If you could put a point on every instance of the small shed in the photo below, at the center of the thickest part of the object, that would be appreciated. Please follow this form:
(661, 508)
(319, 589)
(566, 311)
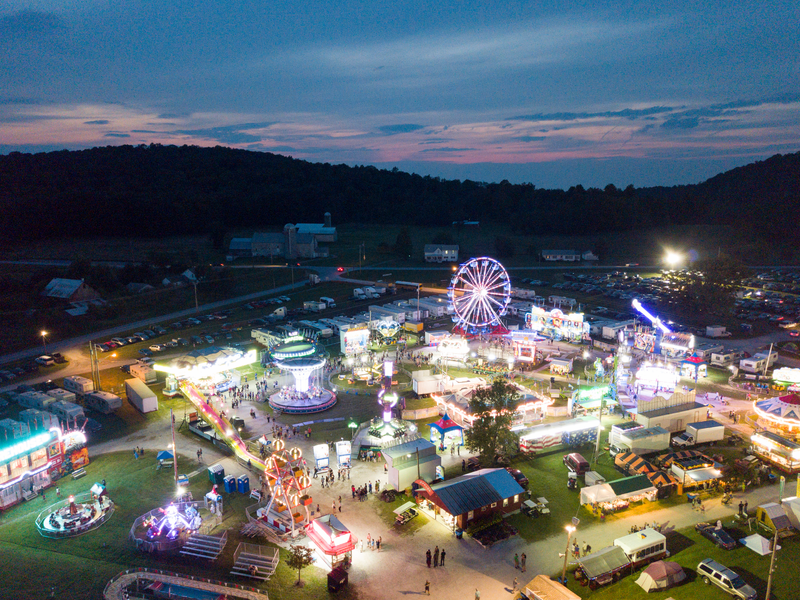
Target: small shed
(772, 516)
(444, 430)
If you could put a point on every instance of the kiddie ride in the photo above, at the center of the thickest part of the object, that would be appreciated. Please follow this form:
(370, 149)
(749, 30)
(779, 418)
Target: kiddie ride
(76, 515)
(166, 528)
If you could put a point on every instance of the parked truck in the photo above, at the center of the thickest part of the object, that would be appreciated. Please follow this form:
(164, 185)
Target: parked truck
(329, 302)
(141, 396)
(358, 294)
(371, 292)
(704, 432)
(313, 305)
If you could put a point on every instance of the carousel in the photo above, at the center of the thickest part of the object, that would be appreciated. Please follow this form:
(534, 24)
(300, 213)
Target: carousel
(300, 357)
(76, 515)
(779, 414)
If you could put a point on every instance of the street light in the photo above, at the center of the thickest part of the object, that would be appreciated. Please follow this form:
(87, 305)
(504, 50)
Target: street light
(353, 425)
(44, 340)
(95, 363)
(673, 258)
(570, 530)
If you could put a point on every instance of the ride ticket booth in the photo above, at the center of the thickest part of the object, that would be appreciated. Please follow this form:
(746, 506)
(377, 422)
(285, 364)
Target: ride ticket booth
(321, 457)
(332, 541)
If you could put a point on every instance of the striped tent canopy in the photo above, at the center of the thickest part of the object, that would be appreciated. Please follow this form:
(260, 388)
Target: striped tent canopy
(633, 463)
(666, 460)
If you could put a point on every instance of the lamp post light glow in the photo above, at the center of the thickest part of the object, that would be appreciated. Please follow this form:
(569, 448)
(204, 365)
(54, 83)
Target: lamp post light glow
(672, 258)
(44, 340)
(570, 529)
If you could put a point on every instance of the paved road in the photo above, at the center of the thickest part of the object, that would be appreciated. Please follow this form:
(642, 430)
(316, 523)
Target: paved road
(144, 323)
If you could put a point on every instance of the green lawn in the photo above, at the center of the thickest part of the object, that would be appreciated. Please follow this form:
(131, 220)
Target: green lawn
(79, 568)
(689, 548)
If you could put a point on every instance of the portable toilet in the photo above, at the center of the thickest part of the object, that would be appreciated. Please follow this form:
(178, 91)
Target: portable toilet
(230, 484)
(216, 474)
(243, 484)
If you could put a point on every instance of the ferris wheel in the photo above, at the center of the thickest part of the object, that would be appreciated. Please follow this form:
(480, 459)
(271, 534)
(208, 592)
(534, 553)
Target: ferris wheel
(479, 293)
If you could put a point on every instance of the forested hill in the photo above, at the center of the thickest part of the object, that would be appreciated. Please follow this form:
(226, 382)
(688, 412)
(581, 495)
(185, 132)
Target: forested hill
(149, 190)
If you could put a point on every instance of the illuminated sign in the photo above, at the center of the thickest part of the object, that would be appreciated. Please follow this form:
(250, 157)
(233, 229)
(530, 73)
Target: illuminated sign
(786, 375)
(26, 446)
(555, 323)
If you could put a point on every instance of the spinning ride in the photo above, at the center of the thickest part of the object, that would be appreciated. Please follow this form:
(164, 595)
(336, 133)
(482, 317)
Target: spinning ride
(300, 356)
(76, 515)
(479, 293)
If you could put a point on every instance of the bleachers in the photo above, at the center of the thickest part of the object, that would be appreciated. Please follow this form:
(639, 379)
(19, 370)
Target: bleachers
(263, 558)
(205, 546)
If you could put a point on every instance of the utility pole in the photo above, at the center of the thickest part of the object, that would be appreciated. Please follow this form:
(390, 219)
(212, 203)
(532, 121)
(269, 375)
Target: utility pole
(772, 564)
(196, 306)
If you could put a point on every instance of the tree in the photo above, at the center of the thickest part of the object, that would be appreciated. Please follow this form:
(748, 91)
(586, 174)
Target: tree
(504, 246)
(491, 432)
(299, 558)
(403, 245)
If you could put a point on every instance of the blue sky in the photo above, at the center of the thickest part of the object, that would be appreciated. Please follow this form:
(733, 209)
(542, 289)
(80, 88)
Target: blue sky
(551, 93)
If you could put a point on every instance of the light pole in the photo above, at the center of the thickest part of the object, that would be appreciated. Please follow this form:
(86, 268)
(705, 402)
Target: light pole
(772, 564)
(44, 340)
(570, 529)
(96, 365)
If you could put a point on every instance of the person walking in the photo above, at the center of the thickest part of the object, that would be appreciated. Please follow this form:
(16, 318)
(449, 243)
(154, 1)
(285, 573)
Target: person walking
(427, 587)
(441, 558)
(576, 551)
(58, 492)
(378, 543)
(745, 508)
(428, 557)
(369, 541)
(515, 586)
(436, 557)
(522, 560)
(585, 548)
(477, 594)
(333, 507)
(516, 561)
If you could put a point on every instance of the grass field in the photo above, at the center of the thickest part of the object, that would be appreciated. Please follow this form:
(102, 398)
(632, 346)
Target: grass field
(79, 568)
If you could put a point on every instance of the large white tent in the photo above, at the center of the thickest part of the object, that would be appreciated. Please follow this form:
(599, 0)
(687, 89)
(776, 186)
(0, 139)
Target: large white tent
(601, 492)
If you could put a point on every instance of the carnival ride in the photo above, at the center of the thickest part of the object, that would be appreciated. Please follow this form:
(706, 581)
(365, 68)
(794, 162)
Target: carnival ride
(76, 515)
(280, 468)
(300, 356)
(479, 292)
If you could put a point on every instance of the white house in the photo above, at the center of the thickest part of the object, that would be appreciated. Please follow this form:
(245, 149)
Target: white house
(441, 253)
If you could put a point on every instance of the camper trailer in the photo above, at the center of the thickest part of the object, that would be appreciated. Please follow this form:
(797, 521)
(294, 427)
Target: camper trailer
(67, 412)
(39, 420)
(78, 385)
(36, 400)
(643, 547)
(62, 395)
(143, 372)
(103, 402)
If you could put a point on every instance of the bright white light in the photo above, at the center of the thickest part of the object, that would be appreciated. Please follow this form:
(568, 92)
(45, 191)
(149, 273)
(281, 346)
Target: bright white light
(673, 258)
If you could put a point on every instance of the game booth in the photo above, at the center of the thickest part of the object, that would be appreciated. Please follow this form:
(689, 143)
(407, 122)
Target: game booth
(332, 541)
(652, 380)
(572, 432)
(445, 432)
(694, 367)
(557, 325)
(343, 454)
(524, 345)
(321, 457)
(777, 450)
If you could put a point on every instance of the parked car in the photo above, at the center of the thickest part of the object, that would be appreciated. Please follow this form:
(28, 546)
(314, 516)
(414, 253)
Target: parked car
(710, 571)
(720, 537)
(145, 352)
(156, 347)
(519, 476)
(576, 463)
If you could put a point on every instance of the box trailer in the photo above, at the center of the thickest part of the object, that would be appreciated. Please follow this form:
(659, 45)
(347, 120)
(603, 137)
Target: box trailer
(103, 402)
(313, 305)
(78, 385)
(704, 432)
(141, 396)
(329, 302)
(145, 373)
(412, 326)
(645, 441)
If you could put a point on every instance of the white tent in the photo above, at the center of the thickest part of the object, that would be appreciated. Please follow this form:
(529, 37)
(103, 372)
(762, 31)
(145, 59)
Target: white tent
(758, 544)
(597, 493)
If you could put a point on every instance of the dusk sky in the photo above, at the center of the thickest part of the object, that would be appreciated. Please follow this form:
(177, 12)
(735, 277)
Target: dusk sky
(551, 93)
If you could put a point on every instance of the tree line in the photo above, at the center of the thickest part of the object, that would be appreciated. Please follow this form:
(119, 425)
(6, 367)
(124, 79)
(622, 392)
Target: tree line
(140, 191)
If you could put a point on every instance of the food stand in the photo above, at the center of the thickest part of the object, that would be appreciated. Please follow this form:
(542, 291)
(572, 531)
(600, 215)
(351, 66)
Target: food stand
(777, 450)
(445, 431)
(332, 541)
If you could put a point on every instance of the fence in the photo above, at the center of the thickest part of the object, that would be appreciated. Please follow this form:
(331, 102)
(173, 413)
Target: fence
(142, 572)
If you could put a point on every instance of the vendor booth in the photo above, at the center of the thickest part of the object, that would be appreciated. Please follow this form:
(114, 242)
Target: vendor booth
(445, 432)
(332, 541)
(524, 345)
(777, 450)
(602, 567)
(592, 399)
(697, 471)
(694, 367)
(653, 380)
(560, 366)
